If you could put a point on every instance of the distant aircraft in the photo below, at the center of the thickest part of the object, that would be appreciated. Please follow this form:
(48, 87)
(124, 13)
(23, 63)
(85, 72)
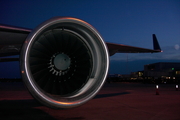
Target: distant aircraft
(64, 61)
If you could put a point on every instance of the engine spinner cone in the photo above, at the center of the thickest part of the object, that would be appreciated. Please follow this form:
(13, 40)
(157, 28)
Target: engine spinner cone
(62, 61)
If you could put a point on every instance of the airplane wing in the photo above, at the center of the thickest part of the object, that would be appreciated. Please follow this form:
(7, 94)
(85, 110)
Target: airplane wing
(12, 38)
(120, 48)
(8, 59)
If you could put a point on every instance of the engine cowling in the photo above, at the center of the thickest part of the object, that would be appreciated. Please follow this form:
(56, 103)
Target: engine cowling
(64, 62)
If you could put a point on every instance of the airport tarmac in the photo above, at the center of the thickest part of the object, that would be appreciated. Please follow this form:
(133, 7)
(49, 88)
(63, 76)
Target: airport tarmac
(115, 101)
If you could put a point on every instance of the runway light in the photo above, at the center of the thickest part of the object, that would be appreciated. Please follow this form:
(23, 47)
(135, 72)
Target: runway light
(157, 91)
(177, 87)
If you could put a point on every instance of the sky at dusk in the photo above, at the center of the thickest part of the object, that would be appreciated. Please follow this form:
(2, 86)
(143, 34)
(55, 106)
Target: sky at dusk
(129, 22)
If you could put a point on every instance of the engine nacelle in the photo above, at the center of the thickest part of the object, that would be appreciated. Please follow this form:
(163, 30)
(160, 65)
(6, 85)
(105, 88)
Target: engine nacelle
(64, 62)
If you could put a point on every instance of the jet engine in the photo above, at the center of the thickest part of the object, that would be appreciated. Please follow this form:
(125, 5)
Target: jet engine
(64, 62)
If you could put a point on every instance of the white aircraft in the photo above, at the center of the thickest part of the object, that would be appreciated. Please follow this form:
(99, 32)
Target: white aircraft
(64, 61)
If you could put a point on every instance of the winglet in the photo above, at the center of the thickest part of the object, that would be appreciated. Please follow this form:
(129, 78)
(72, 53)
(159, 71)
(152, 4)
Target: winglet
(155, 43)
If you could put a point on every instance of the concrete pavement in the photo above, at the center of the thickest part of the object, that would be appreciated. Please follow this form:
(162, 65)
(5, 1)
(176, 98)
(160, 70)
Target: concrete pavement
(115, 101)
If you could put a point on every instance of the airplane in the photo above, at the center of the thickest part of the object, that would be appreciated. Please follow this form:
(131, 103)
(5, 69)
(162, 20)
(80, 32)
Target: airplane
(64, 61)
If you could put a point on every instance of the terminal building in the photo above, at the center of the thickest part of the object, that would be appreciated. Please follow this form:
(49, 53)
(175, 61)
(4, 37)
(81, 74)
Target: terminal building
(164, 71)
(161, 72)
